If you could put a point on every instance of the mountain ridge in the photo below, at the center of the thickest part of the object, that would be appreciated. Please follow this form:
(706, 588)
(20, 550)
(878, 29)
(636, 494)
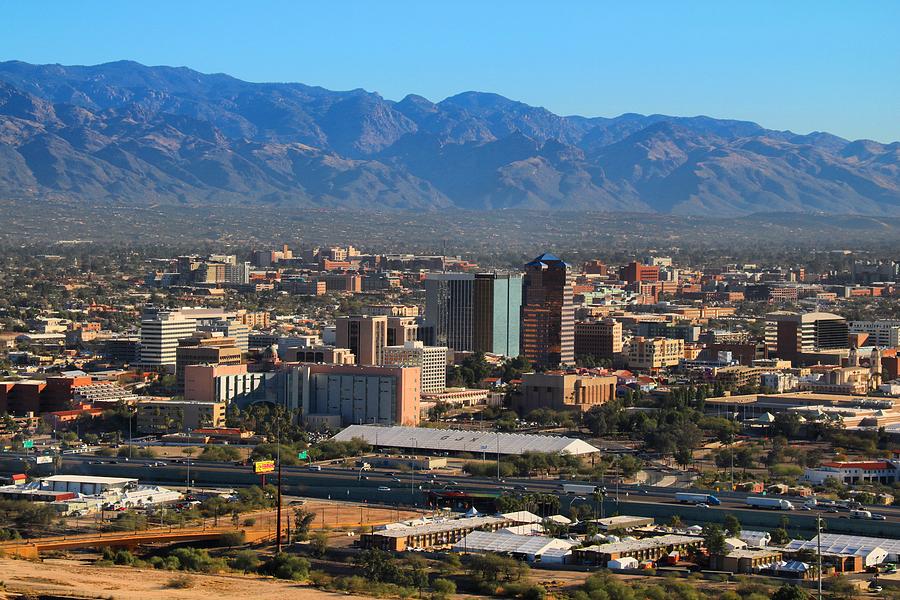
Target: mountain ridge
(130, 132)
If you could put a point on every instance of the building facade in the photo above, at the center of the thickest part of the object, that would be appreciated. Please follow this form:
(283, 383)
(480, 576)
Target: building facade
(652, 354)
(339, 395)
(564, 391)
(432, 360)
(548, 313)
(600, 339)
(788, 335)
(365, 336)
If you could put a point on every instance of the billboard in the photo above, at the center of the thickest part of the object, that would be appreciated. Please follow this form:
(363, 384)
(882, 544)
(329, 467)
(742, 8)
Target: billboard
(263, 466)
(43, 460)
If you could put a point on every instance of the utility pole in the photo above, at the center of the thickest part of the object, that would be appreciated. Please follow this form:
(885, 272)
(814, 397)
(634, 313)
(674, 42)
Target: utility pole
(498, 455)
(819, 551)
(278, 496)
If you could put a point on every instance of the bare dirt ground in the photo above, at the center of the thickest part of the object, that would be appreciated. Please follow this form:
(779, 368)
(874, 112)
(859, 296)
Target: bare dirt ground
(79, 579)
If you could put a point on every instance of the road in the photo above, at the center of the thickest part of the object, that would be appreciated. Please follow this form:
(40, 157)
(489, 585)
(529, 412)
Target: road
(411, 489)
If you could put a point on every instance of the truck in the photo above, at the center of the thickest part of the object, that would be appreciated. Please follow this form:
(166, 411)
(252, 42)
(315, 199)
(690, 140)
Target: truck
(689, 498)
(770, 503)
(579, 488)
(860, 514)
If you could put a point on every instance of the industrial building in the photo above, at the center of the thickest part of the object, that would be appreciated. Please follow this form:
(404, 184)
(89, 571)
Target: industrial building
(872, 551)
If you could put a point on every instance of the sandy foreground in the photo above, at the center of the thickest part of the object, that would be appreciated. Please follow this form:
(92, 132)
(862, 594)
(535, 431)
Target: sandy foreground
(83, 580)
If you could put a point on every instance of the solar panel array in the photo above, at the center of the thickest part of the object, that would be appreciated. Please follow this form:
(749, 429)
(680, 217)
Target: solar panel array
(457, 440)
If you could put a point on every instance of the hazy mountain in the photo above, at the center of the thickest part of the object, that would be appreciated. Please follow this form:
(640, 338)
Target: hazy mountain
(126, 132)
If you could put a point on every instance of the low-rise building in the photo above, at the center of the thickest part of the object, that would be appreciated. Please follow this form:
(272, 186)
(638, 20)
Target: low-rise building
(653, 354)
(164, 415)
(878, 471)
(564, 391)
(651, 548)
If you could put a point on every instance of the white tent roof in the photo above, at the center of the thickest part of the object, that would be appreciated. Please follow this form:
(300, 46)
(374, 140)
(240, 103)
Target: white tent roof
(857, 545)
(502, 542)
(455, 440)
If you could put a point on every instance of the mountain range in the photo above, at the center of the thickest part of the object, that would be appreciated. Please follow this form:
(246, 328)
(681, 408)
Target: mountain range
(127, 133)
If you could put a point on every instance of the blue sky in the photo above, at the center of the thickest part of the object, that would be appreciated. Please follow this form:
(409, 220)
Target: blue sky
(802, 65)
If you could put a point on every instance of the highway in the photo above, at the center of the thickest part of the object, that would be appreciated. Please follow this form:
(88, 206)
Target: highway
(382, 487)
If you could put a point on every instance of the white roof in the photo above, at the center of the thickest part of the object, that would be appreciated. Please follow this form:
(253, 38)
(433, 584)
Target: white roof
(503, 542)
(456, 440)
(855, 545)
(643, 544)
(522, 516)
(439, 526)
(89, 479)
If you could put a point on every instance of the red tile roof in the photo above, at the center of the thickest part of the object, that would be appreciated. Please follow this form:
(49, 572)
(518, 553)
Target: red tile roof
(866, 466)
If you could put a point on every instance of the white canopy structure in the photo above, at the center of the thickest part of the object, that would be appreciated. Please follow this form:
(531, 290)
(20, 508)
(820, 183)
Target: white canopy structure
(457, 440)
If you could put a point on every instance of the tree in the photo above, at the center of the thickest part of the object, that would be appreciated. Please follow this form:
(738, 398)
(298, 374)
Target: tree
(319, 543)
(790, 592)
(714, 539)
(841, 587)
(732, 525)
(302, 521)
(443, 588)
(246, 561)
(780, 536)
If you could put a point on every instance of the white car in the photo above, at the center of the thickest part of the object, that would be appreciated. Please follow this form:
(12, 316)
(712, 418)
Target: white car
(383, 488)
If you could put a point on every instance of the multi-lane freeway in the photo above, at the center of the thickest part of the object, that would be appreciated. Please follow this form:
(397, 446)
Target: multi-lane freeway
(411, 488)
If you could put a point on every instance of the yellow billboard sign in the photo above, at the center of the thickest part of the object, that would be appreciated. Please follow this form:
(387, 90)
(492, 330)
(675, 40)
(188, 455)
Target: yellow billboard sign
(263, 466)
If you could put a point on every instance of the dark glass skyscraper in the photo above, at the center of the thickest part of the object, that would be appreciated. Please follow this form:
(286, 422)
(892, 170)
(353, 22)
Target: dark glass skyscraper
(548, 313)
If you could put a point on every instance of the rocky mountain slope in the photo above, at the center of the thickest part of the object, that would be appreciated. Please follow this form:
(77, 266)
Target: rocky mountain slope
(126, 132)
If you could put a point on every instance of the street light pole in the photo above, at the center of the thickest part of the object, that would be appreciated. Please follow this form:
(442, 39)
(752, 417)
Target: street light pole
(498, 455)
(819, 552)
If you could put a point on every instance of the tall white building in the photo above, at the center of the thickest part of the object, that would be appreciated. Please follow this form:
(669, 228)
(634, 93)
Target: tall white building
(885, 334)
(161, 329)
(432, 360)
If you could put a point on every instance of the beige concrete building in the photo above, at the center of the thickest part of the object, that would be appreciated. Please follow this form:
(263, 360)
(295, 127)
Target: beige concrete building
(166, 416)
(564, 391)
(365, 336)
(651, 354)
(600, 339)
(205, 349)
(432, 360)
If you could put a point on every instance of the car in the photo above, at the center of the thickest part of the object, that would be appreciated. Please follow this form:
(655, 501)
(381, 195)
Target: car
(833, 509)
(396, 479)
(96, 462)
(521, 487)
(877, 517)
(702, 505)
(383, 488)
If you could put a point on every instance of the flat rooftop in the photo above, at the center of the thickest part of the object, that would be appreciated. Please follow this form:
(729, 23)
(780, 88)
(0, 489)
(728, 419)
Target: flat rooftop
(439, 526)
(642, 544)
(89, 479)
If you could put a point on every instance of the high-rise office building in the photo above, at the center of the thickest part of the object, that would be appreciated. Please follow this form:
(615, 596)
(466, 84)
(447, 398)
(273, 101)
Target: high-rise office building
(432, 360)
(449, 309)
(401, 330)
(498, 301)
(469, 312)
(365, 336)
(548, 312)
(790, 334)
(160, 332)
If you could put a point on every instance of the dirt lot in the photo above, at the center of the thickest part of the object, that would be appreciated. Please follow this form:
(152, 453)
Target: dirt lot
(82, 580)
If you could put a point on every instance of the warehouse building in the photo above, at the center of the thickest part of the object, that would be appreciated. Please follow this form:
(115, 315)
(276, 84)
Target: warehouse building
(453, 440)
